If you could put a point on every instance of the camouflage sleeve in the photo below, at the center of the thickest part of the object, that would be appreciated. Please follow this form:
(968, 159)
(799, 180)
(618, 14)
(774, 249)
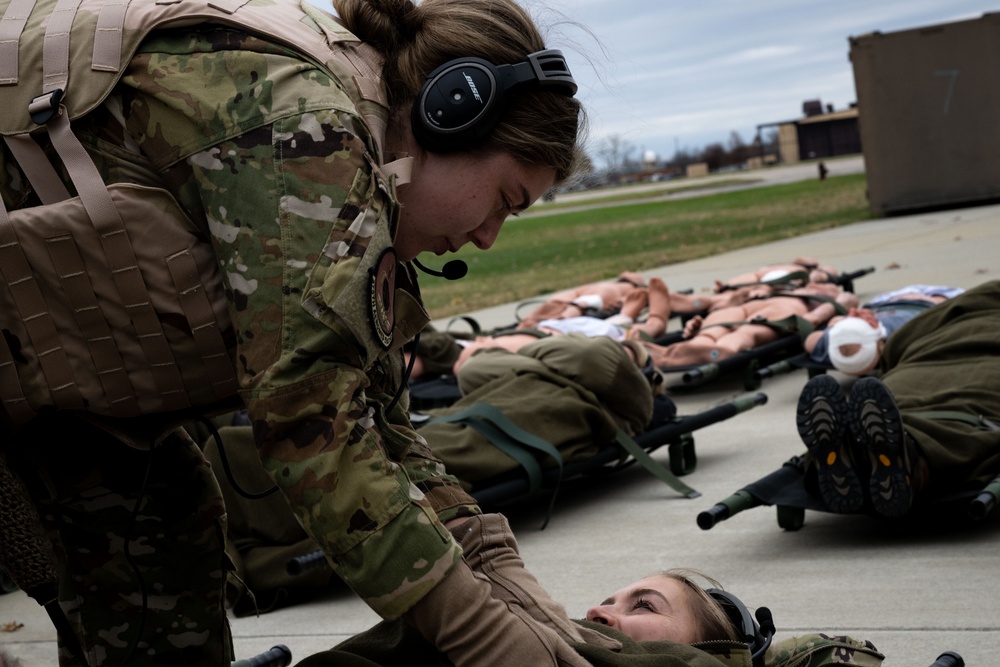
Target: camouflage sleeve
(292, 205)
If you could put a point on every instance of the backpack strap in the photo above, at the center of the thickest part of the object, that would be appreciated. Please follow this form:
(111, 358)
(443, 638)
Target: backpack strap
(37, 168)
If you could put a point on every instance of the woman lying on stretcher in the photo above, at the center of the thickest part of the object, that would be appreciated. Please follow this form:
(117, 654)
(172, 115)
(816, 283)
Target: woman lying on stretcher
(664, 618)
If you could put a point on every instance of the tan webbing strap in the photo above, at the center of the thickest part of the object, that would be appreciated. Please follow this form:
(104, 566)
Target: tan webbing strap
(201, 318)
(401, 169)
(378, 127)
(228, 6)
(36, 166)
(121, 259)
(369, 89)
(368, 63)
(55, 52)
(108, 37)
(37, 321)
(11, 26)
(93, 325)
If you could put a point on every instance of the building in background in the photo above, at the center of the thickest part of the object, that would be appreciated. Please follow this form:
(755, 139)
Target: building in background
(820, 133)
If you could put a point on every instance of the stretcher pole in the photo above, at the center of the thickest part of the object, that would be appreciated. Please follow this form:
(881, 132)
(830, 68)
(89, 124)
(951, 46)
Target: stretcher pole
(984, 503)
(276, 656)
(746, 498)
(711, 416)
(949, 659)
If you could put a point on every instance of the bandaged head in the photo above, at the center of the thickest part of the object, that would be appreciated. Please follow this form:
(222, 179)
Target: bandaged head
(850, 332)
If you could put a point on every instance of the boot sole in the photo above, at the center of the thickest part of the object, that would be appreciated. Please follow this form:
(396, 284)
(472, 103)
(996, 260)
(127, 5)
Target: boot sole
(822, 419)
(876, 421)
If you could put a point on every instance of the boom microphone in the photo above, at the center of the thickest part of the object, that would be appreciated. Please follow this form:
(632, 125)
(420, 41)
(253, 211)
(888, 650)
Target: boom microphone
(452, 270)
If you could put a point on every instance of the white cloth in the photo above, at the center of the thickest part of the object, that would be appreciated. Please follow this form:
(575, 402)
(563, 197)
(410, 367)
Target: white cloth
(588, 326)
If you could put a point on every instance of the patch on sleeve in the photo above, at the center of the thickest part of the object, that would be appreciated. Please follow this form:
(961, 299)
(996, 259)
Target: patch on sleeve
(381, 291)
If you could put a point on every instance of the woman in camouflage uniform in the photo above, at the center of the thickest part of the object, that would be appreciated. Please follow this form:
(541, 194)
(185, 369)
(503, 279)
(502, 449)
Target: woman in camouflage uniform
(284, 167)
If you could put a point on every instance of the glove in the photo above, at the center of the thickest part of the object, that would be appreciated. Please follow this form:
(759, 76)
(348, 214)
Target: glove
(472, 628)
(490, 549)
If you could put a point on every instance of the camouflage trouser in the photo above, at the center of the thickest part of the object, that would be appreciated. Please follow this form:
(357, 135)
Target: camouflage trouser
(85, 485)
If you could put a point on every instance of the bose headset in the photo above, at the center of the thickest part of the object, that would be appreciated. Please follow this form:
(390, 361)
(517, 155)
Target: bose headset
(757, 635)
(462, 100)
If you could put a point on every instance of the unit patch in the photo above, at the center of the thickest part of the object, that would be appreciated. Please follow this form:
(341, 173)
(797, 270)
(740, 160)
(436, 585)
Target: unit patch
(381, 292)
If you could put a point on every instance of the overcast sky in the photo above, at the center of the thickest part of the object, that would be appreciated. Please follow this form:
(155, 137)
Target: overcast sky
(662, 74)
(669, 73)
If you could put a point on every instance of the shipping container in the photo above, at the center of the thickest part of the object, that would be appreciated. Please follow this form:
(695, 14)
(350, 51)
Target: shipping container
(929, 104)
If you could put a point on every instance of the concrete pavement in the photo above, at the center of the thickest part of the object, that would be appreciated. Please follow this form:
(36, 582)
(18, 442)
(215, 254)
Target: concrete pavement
(913, 593)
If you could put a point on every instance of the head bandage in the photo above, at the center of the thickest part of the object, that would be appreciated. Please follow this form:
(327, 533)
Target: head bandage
(855, 331)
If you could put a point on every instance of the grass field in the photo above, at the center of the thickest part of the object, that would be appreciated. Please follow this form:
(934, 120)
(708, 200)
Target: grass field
(539, 254)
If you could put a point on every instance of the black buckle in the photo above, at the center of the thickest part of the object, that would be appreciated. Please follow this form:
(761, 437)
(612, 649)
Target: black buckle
(44, 107)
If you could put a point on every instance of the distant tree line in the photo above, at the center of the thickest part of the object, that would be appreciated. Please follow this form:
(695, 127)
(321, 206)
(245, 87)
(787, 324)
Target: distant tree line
(616, 159)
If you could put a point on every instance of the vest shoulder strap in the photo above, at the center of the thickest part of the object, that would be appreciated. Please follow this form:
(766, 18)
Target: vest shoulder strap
(84, 46)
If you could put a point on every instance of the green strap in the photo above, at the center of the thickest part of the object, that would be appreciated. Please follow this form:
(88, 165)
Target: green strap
(471, 321)
(647, 462)
(524, 304)
(519, 444)
(513, 441)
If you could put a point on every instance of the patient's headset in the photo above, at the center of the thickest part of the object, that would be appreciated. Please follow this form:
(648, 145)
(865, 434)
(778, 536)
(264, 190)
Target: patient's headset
(462, 100)
(756, 634)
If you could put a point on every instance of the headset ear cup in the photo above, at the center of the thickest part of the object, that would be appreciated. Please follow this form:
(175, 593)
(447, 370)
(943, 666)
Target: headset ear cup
(458, 106)
(737, 613)
(462, 101)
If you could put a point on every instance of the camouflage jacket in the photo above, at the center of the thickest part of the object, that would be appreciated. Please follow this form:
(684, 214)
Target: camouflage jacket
(272, 160)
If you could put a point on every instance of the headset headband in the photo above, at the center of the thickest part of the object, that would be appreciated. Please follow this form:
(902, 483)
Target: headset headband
(462, 100)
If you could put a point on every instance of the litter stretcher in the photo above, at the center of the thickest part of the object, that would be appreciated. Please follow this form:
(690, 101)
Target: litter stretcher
(786, 490)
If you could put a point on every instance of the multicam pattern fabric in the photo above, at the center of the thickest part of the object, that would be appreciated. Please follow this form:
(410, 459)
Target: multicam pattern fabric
(268, 156)
(119, 553)
(821, 650)
(286, 186)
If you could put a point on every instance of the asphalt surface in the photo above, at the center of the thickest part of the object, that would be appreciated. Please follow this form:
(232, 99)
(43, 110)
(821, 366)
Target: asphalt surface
(914, 591)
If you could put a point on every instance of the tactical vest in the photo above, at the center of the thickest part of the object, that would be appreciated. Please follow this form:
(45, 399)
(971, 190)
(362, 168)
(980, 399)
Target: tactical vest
(86, 291)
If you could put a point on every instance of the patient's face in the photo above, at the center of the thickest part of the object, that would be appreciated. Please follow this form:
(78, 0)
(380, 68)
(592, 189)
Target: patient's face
(656, 608)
